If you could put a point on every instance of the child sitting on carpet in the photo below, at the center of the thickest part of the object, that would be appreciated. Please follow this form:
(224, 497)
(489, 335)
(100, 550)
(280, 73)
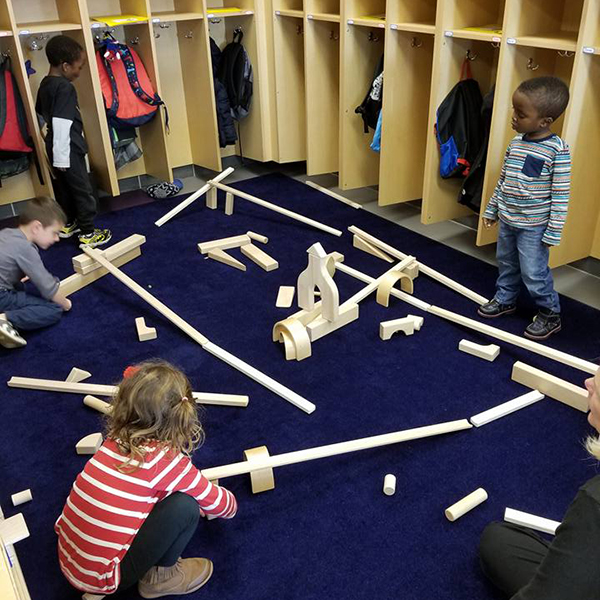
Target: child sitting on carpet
(531, 201)
(137, 502)
(39, 224)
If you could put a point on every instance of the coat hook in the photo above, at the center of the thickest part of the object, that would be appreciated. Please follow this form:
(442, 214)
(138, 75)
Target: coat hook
(135, 41)
(164, 25)
(299, 29)
(531, 66)
(189, 35)
(416, 42)
(496, 44)
(334, 36)
(373, 37)
(470, 56)
(214, 21)
(565, 53)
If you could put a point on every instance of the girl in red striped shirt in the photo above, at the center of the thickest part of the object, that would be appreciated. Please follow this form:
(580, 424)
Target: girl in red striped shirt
(137, 502)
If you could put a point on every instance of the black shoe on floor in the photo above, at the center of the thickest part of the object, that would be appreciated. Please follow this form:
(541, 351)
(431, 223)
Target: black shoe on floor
(494, 309)
(544, 324)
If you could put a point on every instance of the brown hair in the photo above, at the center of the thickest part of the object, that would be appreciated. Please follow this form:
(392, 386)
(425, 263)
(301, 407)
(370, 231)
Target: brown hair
(154, 404)
(43, 209)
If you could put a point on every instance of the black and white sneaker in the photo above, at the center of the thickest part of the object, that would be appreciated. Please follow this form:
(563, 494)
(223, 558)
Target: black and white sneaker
(544, 324)
(494, 309)
(69, 230)
(9, 336)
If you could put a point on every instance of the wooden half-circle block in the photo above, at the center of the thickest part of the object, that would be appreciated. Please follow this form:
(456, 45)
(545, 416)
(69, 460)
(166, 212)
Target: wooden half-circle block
(262, 479)
(288, 344)
(387, 283)
(297, 333)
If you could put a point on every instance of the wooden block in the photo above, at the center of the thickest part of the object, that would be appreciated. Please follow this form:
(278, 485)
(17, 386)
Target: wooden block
(551, 386)
(83, 264)
(224, 243)
(76, 375)
(262, 479)
(333, 194)
(257, 237)
(220, 399)
(262, 259)
(97, 404)
(365, 246)
(229, 203)
(75, 282)
(297, 334)
(389, 484)
(468, 503)
(14, 529)
(89, 444)
(532, 521)
(285, 296)
(506, 408)
(92, 597)
(489, 352)
(222, 257)
(211, 198)
(320, 327)
(51, 385)
(144, 332)
(386, 284)
(21, 497)
(412, 270)
(406, 324)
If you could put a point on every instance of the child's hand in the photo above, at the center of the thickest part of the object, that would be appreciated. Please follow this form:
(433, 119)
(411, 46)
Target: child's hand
(67, 305)
(25, 279)
(488, 223)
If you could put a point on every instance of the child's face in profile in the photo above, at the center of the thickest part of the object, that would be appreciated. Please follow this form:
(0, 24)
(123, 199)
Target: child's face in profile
(44, 237)
(72, 71)
(525, 117)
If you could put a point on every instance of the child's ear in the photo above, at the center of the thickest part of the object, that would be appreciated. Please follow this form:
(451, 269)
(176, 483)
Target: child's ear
(547, 121)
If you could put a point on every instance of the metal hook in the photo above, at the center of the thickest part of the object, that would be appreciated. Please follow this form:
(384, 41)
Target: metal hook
(531, 66)
(496, 44)
(214, 21)
(135, 41)
(334, 36)
(189, 35)
(470, 56)
(299, 29)
(164, 25)
(372, 37)
(416, 42)
(565, 53)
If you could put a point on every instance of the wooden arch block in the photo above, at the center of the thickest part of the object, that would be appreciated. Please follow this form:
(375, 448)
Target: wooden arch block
(387, 283)
(296, 333)
(262, 480)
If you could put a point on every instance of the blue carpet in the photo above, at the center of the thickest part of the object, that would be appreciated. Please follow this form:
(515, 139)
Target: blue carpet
(327, 530)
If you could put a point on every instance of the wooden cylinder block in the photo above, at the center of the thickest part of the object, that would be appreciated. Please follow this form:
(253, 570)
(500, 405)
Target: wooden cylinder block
(262, 480)
(21, 497)
(389, 485)
(466, 504)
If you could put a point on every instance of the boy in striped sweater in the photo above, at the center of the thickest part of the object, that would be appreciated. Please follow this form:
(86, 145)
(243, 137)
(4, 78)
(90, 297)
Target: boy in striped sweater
(136, 504)
(531, 201)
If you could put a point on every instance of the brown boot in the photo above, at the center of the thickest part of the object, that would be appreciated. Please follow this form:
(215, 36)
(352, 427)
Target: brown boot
(185, 576)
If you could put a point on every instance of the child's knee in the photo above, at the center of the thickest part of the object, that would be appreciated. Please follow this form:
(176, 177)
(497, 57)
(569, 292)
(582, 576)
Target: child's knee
(185, 506)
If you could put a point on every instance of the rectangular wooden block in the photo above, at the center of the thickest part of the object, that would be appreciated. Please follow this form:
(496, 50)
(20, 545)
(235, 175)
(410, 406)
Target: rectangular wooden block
(554, 387)
(82, 263)
(487, 352)
(262, 259)
(506, 408)
(51, 385)
(285, 296)
(144, 332)
(224, 243)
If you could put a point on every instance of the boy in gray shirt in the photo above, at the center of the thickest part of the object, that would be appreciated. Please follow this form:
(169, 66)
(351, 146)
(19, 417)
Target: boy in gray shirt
(20, 261)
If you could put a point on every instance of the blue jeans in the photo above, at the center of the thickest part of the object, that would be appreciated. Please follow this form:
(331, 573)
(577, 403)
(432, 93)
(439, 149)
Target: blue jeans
(26, 311)
(522, 256)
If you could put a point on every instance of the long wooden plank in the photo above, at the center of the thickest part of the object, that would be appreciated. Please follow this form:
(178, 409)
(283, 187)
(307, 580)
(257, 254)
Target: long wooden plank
(274, 207)
(75, 282)
(230, 359)
(84, 264)
(554, 387)
(453, 285)
(510, 338)
(190, 199)
(298, 456)
(328, 192)
(221, 399)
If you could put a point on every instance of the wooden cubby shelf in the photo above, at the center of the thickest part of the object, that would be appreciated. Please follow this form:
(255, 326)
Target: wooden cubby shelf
(330, 18)
(290, 12)
(46, 27)
(368, 21)
(223, 13)
(428, 28)
(174, 17)
(493, 33)
(564, 41)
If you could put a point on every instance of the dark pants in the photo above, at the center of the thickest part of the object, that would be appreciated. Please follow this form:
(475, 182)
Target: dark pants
(162, 538)
(510, 555)
(27, 312)
(74, 192)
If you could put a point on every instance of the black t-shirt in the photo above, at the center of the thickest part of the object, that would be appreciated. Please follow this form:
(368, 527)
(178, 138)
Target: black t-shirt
(571, 569)
(57, 98)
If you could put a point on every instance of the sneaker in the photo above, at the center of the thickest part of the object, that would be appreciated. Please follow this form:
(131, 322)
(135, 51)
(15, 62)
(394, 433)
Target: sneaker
(9, 336)
(68, 230)
(186, 576)
(494, 309)
(98, 237)
(544, 324)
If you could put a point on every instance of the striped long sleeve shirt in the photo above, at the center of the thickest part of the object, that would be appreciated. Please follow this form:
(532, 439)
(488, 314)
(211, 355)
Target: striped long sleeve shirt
(107, 507)
(534, 184)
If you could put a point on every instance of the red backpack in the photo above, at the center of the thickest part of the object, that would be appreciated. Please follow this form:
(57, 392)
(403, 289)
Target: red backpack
(129, 96)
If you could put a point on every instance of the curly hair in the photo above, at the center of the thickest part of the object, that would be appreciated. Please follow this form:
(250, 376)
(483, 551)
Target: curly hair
(63, 49)
(154, 403)
(549, 95)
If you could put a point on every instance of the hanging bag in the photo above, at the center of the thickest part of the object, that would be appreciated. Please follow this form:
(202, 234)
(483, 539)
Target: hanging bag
(370, 107)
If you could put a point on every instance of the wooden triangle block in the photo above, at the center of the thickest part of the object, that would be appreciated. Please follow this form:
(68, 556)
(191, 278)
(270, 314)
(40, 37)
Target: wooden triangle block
(89, 444)
(222, 257)
(361, 244)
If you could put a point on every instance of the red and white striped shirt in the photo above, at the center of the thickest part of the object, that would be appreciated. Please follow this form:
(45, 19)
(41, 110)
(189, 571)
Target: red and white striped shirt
(106, 509)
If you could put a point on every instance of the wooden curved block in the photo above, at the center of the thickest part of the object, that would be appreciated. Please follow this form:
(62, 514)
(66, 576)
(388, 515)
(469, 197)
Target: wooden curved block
(387, 283)
(296, 334)
(288, 344)
(262, 480)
